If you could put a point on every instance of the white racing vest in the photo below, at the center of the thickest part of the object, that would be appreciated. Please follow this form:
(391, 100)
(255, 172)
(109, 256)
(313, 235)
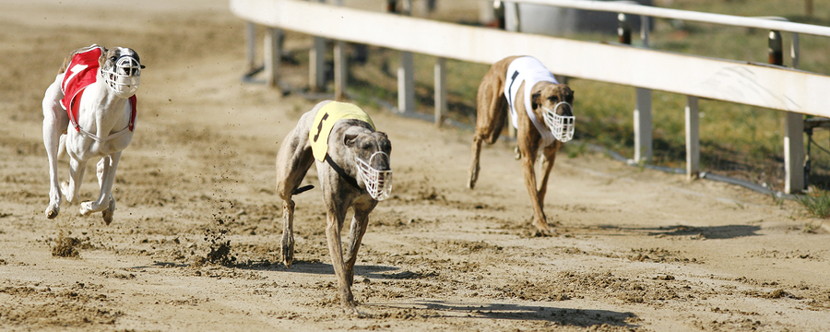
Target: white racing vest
(527, 70)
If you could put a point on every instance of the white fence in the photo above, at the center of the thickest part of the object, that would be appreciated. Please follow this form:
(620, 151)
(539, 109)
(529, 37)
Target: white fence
(789, 90)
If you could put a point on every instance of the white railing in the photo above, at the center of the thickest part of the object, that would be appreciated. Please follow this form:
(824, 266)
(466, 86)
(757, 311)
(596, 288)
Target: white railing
(685, 15)
(772, 87)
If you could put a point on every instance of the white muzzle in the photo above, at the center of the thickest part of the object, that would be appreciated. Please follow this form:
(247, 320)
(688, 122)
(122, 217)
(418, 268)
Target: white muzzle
(378, 183)
(562, 126)
(124, 76)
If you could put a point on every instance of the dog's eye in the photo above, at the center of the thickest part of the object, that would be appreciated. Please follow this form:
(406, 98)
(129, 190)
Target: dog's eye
(554, 99)
(112, 58)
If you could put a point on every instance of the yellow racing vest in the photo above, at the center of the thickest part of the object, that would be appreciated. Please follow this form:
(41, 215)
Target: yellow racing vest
(324, 121)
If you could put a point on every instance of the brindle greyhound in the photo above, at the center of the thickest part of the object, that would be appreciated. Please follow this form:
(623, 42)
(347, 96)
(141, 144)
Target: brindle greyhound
(94, 120)
(354, 173)
(548, 100)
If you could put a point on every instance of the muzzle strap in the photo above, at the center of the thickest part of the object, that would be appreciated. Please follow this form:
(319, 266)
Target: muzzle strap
(340, 171)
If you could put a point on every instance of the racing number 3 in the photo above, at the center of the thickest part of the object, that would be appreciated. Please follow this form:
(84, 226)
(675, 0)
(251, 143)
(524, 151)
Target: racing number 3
(320, 126)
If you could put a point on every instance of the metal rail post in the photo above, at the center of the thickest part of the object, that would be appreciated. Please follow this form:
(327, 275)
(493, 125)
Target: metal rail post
(250, 41)
(316, 64)
(341, 69)
(406, 79)
(793, 128)
(642, 111)
(692, 138)
(440, 90)
(272, 50)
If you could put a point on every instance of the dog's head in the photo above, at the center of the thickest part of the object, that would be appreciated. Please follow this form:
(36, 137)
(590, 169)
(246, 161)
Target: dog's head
(372, 152)
(554, 103)
(121, 69)
(552, 94)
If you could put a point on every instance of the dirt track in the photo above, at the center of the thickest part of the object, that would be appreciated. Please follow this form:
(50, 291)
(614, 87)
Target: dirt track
(638, 249)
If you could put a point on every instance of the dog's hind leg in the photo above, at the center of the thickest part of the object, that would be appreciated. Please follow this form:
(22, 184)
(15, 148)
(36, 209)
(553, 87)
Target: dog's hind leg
(287, 242)
(360, 223)
(490, 118)
(293, 161)
(55, 122)
(474, 164)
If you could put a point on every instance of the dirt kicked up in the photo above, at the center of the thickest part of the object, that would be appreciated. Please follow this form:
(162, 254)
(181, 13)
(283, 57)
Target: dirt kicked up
(194, 244)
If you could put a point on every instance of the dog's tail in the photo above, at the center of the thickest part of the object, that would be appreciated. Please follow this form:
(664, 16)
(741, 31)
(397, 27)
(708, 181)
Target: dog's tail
(302, 189)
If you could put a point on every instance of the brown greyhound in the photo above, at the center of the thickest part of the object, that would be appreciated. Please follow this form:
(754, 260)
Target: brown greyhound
(353, 167)
(525, 88)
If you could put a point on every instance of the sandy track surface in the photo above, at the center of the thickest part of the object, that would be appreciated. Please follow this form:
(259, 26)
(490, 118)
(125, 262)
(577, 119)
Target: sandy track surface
(637, 250)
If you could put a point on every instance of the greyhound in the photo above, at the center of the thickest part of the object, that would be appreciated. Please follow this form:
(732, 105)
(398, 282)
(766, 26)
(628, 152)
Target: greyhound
(89, 111)
(353, 167)
(529, 90)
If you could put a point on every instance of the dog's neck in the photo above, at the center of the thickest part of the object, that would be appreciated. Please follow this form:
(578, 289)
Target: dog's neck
(103, 110)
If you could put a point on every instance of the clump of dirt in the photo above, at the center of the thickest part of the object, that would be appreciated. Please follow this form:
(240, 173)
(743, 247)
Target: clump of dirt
(66, 246)
(219, 248)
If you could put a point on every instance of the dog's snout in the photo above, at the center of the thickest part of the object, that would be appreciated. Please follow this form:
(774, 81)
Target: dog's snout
(566, 110)
(381, 162)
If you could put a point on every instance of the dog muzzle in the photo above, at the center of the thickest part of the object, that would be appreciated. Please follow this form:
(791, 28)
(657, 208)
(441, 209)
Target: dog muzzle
(124, 76)
(378, 183)
(562, 126)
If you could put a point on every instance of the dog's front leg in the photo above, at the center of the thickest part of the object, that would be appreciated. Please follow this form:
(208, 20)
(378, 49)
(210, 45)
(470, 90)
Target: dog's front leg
(72, 188)
(106, 177)
(360, 223)
(334, 223)
(528, 158)
(547, 166)
(55, 122)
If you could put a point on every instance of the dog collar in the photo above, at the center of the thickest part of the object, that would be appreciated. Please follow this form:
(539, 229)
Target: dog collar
(340, 171)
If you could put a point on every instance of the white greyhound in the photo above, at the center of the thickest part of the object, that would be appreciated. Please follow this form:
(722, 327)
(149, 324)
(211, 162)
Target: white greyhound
(89, 111)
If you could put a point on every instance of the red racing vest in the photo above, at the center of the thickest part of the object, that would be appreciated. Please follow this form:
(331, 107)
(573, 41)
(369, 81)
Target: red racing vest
(80, 73)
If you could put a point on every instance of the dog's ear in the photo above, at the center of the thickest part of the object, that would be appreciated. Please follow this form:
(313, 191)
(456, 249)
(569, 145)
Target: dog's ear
(536, 100)
(103, 58)
(349, 139)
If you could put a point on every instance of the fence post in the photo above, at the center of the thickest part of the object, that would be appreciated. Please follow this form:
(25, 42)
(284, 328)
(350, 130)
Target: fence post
(793, 128)
(692, 138)
(406, 81)
(317, 64)
(440, 90)
(341, 69)
(250, 41)
(642, 111)
(795, 54)
(271, 54)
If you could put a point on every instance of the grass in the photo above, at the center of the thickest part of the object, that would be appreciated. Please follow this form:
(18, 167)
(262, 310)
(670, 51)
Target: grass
(817, 204)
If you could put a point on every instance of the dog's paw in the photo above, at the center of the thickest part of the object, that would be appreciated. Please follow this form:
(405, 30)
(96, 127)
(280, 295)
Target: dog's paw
(52, 211)
(86, 208)
(108, 213)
